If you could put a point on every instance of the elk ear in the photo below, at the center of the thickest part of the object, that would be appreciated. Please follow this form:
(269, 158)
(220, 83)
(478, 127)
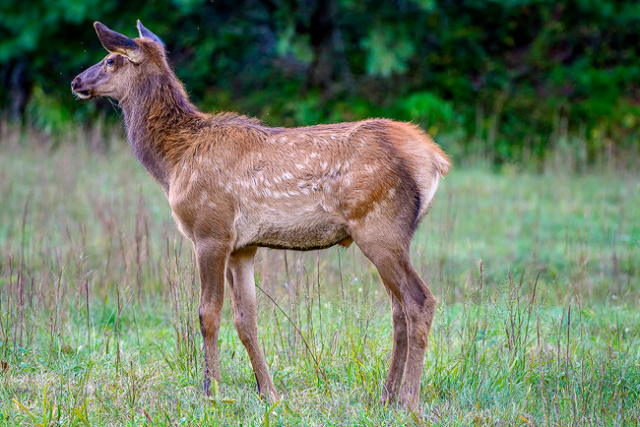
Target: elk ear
(115, 42)
(146, 34)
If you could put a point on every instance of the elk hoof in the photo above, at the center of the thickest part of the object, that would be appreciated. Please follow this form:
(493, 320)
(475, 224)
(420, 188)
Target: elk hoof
(206, 386)
(387, 397)
(410, 404)
(270, 395)
(273, 396)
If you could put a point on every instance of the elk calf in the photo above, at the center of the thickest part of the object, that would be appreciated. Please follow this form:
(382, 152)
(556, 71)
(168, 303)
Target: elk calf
(234, 185)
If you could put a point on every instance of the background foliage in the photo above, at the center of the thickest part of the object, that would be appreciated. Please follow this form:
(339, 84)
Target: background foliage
(510, 78)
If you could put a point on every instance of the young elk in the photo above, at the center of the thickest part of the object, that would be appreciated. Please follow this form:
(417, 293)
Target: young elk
(234, 185)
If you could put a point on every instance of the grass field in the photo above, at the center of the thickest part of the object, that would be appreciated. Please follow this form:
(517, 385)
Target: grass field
(538, 321)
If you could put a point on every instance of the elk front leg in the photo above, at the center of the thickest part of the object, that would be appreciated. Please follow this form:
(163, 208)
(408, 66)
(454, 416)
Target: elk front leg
(212, 259)
(243, 296)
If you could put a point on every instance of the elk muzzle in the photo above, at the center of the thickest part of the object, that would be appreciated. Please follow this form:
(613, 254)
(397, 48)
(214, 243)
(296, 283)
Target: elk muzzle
(77, 87)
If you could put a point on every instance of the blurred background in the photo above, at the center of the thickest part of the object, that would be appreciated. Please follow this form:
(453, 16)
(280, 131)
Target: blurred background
(502, 81)
(531, 247)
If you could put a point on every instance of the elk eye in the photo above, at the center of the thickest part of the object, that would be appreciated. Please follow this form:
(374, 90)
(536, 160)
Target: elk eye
(109, 62)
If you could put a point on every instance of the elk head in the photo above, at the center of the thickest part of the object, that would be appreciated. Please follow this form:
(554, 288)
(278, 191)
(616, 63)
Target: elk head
(127, 64)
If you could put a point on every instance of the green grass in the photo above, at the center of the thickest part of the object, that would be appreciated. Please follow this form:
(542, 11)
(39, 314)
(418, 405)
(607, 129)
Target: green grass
(538, 321)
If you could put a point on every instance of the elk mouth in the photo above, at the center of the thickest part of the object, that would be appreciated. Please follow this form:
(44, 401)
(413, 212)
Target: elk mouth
(82, 94)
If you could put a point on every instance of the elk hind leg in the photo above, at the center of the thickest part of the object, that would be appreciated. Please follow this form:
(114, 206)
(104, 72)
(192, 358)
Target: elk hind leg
(398, 354)
(418, 305)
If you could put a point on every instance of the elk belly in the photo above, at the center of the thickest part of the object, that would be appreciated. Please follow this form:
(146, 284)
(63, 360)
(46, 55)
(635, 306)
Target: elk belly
(309, 228)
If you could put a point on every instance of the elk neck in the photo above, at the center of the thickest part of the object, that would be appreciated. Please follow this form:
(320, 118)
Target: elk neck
(156, 114)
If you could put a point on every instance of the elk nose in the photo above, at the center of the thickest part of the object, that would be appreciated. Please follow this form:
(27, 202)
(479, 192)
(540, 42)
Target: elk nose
(75, 83)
